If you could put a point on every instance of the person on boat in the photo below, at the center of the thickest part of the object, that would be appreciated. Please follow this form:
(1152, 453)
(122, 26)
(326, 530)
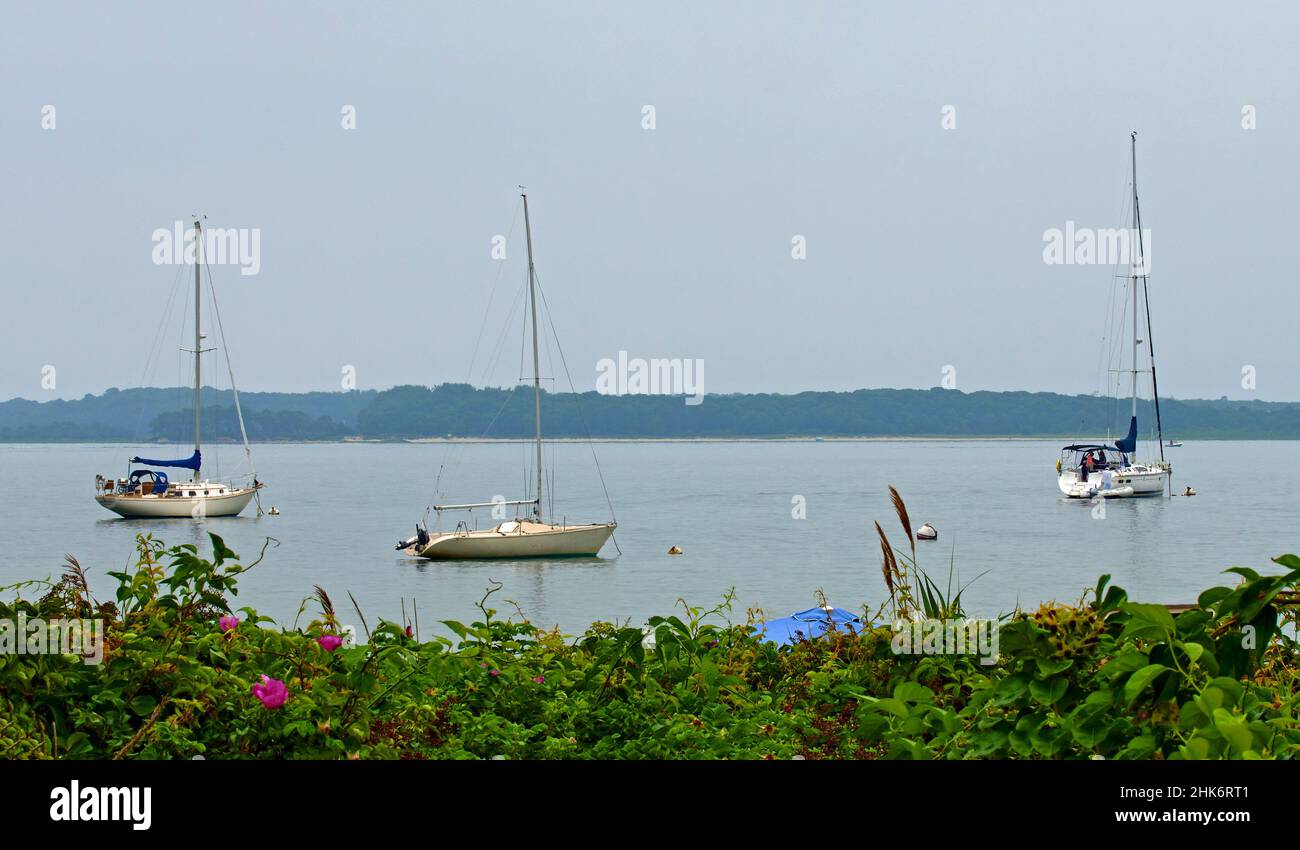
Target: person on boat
(1088, 464)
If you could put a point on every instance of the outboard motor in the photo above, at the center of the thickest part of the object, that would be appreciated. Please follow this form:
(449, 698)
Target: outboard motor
(421, 537)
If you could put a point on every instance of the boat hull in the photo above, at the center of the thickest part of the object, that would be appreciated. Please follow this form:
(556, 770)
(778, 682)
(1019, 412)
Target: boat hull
(1128, 483)
(526, 540)
(167, 506)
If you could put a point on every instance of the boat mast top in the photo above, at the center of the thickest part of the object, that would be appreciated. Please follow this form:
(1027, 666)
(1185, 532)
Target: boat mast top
(537, 377)
(198, 340)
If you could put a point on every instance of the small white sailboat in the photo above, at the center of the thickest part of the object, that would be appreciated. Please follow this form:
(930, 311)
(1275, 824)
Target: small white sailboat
(1092, 470)
(149, 493)
(522, 537)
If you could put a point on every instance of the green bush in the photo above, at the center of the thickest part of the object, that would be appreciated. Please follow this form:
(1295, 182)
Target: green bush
(1105, 678)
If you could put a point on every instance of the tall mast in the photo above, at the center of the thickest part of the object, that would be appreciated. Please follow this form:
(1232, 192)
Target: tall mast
(1134, 277)
(1146, 298)
(537, 377)
(198, 339)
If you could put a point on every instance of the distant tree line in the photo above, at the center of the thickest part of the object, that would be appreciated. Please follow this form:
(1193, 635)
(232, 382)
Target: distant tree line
(459, 410)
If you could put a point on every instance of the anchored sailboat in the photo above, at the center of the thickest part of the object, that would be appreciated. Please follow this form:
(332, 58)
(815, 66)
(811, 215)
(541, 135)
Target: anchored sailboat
(522, 537)
(1086, 471)
(149, 492)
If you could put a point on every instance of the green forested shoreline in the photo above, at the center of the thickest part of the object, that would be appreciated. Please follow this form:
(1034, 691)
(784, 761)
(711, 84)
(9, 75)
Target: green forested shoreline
(458, 410)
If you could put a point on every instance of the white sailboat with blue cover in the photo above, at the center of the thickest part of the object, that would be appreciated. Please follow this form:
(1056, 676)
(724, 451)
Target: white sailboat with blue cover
(1097, 470)
(150, 493)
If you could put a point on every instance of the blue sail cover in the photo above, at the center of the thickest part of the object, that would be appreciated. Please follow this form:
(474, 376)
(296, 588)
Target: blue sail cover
(193, 462)
(807, 625)
(1128, 445)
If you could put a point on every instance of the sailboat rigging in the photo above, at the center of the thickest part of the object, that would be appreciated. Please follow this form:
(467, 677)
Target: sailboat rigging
(1090, 470)
(149, 492)
(522, 537)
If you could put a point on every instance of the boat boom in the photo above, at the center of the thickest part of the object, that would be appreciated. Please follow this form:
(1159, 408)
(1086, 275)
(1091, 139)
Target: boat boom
(482, 505)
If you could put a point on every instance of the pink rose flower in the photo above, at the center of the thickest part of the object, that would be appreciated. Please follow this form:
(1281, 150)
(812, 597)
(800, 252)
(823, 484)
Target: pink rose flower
(539, 679)
(228, 623)
(272, 692)
(494, 672)
(329, 643)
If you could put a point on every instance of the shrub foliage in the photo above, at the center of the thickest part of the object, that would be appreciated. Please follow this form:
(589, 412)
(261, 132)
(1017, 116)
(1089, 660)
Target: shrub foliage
(1106, 677)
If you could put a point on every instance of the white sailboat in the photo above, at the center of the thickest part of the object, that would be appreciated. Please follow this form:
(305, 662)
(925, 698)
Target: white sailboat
(150, 492)
(522, 537)
(1091, 470)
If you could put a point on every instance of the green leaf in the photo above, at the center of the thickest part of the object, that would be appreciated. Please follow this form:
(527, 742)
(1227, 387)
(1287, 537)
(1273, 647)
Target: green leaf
(143, 704)
(1140, 747)
(74, 741)
(1196, 748)
(1231, 688)
(1010, 689)
(1146, 614)
(1139, 681)
(892, 706)
(913, 692)
(1052, 666)
(1233, 729)
(1288, 561)
(1211, 596)
(1115, 597)
(1048, 692)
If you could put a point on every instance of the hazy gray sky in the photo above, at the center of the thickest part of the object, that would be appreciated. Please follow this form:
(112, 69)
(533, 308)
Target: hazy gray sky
(924, 244)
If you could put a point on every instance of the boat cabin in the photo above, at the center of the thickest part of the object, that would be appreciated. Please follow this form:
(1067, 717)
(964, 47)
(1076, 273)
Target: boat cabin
(153, 482)
(1094, 457)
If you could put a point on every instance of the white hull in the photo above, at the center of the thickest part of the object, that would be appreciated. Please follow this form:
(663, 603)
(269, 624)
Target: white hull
(134, 506)
(1129, 482)
(525, 539)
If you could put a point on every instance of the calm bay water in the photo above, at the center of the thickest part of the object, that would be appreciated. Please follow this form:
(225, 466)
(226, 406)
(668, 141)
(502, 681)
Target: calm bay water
(727, 505)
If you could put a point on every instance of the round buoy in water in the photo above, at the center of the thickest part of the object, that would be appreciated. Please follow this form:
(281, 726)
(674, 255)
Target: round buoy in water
(274, 511)
(675, 550)
(927, 532)
(1189, 492)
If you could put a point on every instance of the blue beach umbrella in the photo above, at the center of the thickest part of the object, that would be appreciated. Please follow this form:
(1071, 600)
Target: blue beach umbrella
(807, 625)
